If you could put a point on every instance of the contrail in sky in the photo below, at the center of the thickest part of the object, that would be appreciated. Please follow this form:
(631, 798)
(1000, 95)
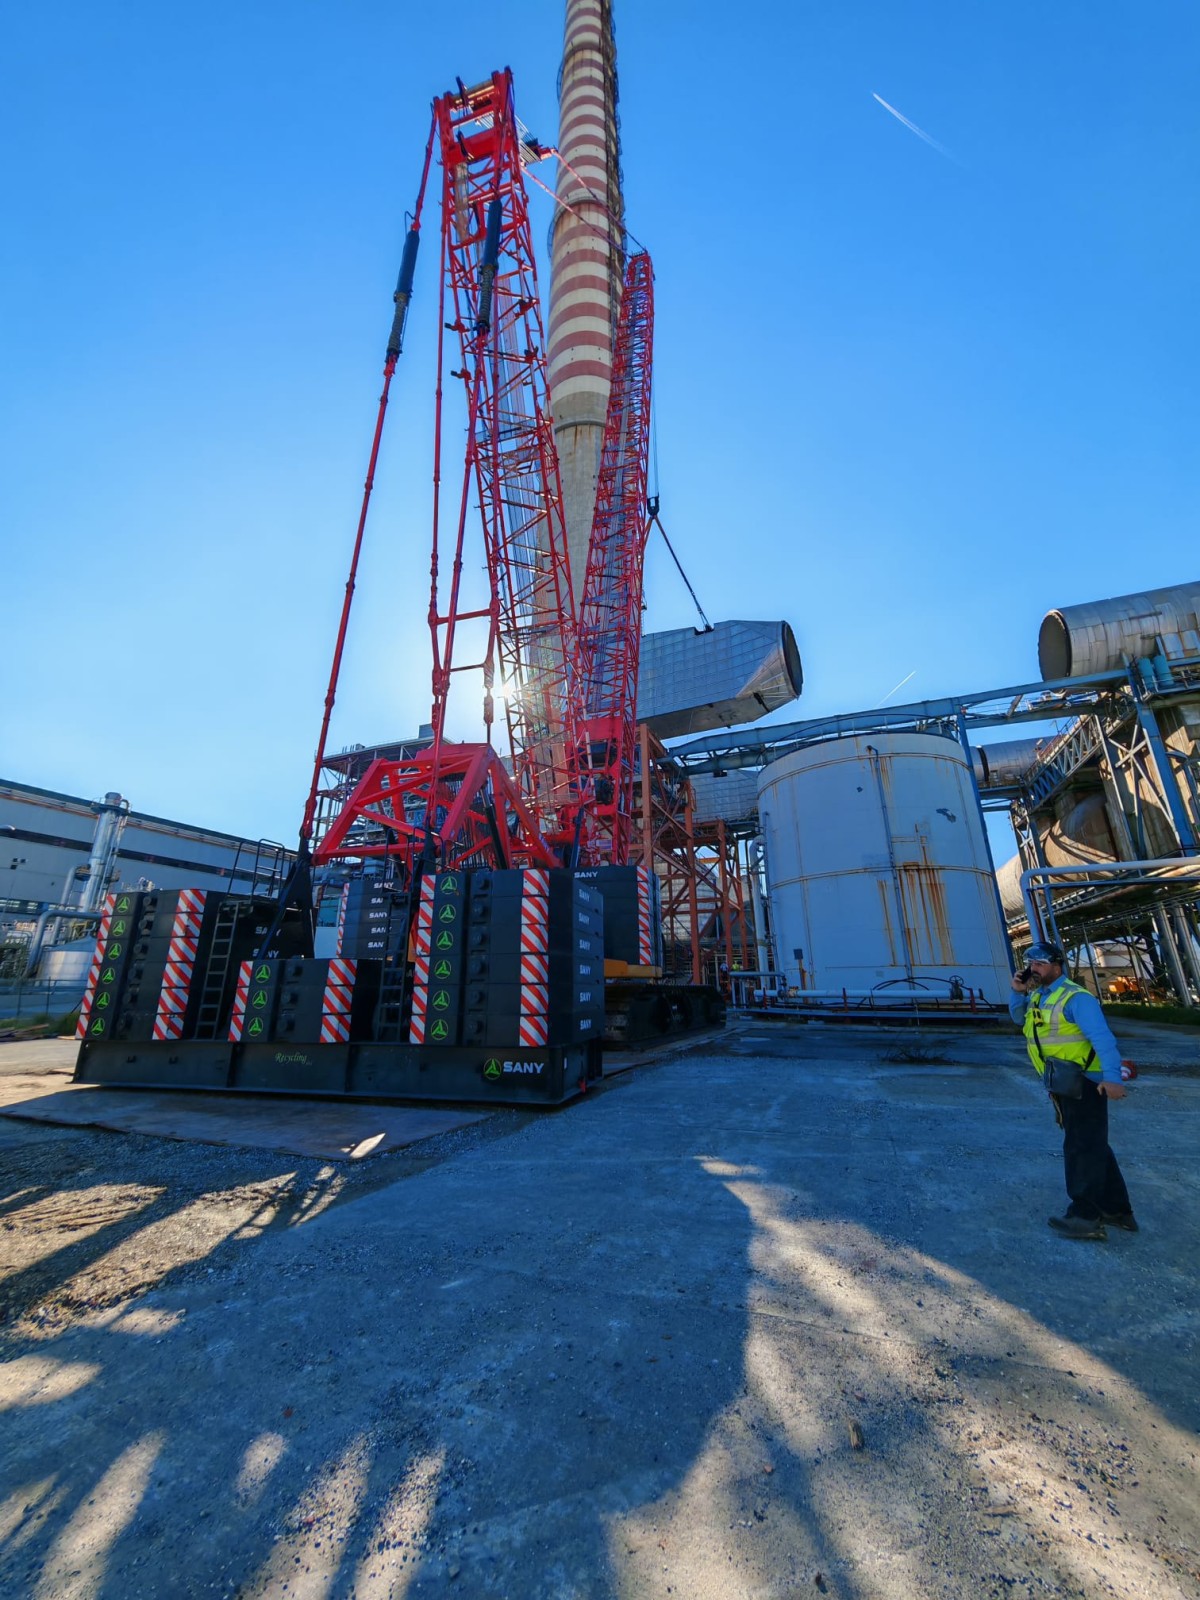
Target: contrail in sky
(920, 132)
(913, 673)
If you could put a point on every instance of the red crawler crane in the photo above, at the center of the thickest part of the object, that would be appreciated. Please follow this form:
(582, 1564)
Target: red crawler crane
(456, 803)
(610, 616)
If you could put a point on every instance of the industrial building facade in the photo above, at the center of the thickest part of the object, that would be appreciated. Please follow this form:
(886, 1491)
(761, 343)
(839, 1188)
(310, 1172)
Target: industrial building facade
(60, 853)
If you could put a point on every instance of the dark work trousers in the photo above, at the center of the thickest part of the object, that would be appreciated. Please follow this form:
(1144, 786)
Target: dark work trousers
(1094, 1180)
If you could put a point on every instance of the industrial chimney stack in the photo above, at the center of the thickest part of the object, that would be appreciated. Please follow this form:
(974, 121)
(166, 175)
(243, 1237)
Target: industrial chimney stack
(586, 262)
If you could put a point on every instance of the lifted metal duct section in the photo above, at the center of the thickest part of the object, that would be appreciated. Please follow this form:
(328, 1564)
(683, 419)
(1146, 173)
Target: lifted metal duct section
(733, 673)
(999, 765)
(1101, 636)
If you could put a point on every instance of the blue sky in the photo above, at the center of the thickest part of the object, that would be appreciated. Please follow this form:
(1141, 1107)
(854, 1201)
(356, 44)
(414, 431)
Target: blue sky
(908, 401)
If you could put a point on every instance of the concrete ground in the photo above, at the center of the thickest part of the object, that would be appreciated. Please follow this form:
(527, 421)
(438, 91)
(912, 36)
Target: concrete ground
(779, 1316)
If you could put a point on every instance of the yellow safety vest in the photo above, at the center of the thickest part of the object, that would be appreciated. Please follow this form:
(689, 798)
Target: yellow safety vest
(1049, 1033)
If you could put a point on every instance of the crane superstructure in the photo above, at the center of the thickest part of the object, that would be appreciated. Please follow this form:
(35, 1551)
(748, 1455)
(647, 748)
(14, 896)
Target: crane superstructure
(562, 684)
(451, 976)
(461, 802)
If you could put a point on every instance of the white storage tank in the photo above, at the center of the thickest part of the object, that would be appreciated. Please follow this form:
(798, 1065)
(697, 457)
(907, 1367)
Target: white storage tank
(877, 867)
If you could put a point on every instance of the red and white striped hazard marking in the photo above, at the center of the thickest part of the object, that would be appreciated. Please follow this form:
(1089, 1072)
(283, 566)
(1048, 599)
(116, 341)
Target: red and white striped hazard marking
(533, 1031)
(423, 936)
(237, 1022)
(535, 918)
(335, 1029)
(341, 918)
(341, 975)
(533, 1028)
(420, 1009)
(89, 994)
(178, 974)
(183, 947)
(535, 999)
(172, 1004)
(535, 969)
(337, 1002)
(181, 963)
(190, 906)
(422, 945)
(645, 941)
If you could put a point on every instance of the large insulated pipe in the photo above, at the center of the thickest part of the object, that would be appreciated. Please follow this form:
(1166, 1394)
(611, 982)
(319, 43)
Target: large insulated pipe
(1187, 946)
(44, 933)
(110, 822)
(1077, 640)
(1170, 955)
(756, 856)
(585, 263)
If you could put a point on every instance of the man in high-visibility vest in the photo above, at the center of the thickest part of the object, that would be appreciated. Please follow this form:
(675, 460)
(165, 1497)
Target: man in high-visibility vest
(1072, 1048)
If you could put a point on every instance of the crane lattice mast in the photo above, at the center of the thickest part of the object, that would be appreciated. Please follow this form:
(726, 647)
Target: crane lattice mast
(532, 659)
(610, 618)
(461, 801)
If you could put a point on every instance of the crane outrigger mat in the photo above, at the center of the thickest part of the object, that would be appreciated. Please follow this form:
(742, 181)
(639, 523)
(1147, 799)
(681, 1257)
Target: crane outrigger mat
(175, 1064)
(365, 1071)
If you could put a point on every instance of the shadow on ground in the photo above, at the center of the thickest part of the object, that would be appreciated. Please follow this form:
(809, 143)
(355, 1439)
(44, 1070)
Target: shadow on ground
(632, 1350)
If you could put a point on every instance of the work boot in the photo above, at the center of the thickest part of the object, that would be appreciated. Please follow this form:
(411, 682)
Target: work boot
(1079, 1227)
(1120, 1219)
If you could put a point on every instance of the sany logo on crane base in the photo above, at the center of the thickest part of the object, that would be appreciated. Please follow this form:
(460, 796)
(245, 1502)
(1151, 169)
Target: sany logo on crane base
(495, 1068)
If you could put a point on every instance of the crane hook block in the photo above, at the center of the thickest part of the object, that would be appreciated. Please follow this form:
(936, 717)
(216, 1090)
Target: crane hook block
(487, 270)
(403, 294)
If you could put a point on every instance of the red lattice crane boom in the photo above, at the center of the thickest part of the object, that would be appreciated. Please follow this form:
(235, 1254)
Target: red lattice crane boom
(610, 616)
(461, 802)
(511, 460)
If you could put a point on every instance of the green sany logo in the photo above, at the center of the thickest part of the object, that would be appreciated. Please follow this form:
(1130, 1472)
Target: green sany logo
(97, 1026)
(441, 1000)
(118, 929)
(263, 975)
(442, 970)
(113, 953)
(259, 1000)
(440, 1029)
(103, 1001)
(256, 1027)
(108, 976)
(448, 914)
(445, 941)
(491, 1069)
(123, 903)
(449, 883)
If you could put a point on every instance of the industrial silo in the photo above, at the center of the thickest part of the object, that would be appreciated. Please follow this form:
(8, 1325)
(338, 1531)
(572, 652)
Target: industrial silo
(878, 869)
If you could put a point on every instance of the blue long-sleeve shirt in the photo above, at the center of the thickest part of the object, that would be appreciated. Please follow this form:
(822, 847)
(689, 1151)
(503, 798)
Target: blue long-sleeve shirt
(1084, 1011)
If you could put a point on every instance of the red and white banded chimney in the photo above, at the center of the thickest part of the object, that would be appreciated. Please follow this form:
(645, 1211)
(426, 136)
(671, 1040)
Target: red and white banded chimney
(586, 262)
